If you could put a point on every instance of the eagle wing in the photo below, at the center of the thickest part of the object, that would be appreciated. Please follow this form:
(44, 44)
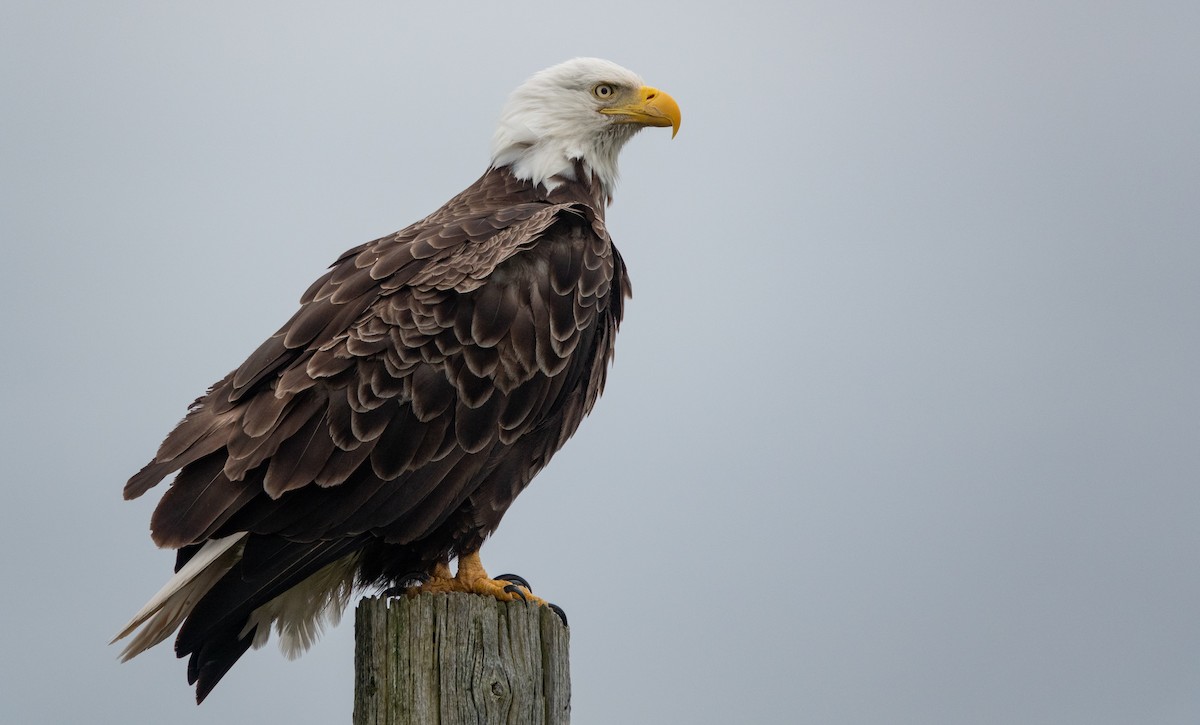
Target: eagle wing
(393, 392)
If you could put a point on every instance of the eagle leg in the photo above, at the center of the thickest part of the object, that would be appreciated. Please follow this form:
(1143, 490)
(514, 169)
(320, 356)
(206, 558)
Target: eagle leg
(473, 579)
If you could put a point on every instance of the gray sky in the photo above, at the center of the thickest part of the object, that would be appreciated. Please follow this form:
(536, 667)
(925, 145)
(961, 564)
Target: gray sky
(903, 424)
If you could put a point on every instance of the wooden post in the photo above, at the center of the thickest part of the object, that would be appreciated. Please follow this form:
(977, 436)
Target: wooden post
(454, 659)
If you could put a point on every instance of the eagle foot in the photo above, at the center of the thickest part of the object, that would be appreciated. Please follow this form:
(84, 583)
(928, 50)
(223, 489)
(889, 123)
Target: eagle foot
(473, 579)
(519, 583)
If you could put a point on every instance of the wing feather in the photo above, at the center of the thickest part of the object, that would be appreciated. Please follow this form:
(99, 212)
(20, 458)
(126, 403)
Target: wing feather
(200, 495)
(397, 446)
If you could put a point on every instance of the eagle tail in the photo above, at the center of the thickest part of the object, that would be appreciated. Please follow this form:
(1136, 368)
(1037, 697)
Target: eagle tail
(294, 586)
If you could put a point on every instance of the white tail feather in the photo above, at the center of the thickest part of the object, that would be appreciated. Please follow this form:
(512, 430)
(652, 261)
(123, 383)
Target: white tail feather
(167, 609)
(301, 613)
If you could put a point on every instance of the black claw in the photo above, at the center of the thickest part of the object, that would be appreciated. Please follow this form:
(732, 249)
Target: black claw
(561, 614)
(514, 589)
(406, 582)
(515, 579)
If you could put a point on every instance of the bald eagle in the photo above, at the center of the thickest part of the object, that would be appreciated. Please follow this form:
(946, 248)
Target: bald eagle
(425, 379)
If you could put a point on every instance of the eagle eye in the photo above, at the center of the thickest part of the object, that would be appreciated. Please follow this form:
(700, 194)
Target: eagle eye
(604, 91)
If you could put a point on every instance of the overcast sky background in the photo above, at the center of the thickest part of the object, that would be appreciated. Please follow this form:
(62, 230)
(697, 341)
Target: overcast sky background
(903, 426)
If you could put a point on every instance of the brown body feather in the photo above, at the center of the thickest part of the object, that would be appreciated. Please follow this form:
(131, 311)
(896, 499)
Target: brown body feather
(425, 379)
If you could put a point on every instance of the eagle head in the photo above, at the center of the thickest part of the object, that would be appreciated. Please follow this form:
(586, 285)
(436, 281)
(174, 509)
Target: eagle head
(581, 110)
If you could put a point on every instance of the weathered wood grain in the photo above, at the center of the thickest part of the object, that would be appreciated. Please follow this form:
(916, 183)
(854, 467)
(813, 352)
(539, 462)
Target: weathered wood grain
(459, 659)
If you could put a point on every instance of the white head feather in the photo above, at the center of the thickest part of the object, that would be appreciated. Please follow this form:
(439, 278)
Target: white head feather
(552, 120)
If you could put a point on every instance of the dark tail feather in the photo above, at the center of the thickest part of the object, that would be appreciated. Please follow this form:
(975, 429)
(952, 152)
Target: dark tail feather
(214, 658)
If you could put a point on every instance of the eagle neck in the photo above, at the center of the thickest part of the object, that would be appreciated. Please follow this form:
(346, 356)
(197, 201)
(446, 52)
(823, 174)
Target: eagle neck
(553, 162)
(503, 187)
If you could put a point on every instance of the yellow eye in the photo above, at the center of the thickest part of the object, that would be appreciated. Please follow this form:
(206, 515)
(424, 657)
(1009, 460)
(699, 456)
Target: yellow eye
(604, 91)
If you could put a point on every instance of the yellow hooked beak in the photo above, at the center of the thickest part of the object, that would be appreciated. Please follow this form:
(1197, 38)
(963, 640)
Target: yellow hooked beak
(652, 108)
